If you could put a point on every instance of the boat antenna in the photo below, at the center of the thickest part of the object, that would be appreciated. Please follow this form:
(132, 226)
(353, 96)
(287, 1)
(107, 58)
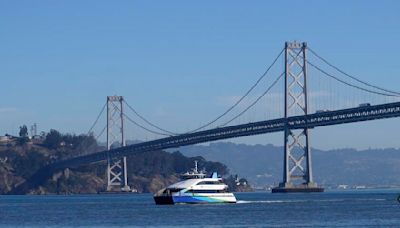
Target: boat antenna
(195, 166)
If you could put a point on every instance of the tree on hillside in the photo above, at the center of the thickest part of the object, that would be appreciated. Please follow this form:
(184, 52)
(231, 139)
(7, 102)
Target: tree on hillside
(53, 139)
(23, 135)
(87, 144)
(80, 144)
(23, 131)
(72, 144)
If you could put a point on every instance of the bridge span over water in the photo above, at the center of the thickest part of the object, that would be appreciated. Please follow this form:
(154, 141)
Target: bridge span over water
(295, 123)
(327, 118)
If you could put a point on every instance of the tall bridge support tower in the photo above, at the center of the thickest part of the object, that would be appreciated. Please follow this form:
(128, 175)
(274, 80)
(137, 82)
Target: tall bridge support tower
(117, 178)
(297, 169)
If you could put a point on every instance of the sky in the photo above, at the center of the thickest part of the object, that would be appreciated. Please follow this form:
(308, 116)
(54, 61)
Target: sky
(182, 63)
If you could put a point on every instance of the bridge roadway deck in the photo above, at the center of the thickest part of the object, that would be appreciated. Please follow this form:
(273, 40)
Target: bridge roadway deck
(327, 118)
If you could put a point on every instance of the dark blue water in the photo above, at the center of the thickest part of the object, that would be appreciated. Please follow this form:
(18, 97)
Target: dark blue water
(340, 209)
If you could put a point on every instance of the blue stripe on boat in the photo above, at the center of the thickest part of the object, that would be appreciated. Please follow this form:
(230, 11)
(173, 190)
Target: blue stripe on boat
(194, 199)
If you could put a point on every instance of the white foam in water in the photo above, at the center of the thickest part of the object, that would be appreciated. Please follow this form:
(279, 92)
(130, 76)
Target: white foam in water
(269, 201)
(300, 201)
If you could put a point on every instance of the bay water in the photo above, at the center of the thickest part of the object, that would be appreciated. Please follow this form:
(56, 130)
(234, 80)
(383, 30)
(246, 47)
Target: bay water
(366, 208)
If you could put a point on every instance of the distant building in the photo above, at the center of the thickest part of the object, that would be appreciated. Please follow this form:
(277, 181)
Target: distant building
(7, 139)
(240, 182)
(342, 186)
(37, 139)
(4, 139)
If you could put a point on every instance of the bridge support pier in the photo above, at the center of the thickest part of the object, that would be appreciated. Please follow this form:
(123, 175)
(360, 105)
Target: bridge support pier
(297, 171)
(117, 179)
(117, 176)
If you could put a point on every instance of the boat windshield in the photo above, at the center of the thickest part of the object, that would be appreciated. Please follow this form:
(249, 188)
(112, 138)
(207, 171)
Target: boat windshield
(210, 182)
(206, 191)
(168, 191)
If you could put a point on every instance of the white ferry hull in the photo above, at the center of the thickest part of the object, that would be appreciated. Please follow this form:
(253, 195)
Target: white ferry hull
(196, 198)
(205, 198)
(196, 188)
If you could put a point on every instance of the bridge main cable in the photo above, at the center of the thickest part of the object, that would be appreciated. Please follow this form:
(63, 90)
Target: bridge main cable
(241, 99)
(349, 84)
(255, 102)
(350, 76)
(139, 125)
(147, 121)
(167, 132)
(97, 119)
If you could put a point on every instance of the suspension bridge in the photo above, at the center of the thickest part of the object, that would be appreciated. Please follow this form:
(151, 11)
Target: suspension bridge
(315, 93)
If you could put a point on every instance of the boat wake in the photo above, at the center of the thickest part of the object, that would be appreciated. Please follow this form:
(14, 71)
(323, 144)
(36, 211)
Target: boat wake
(269, 201)
(304, 201)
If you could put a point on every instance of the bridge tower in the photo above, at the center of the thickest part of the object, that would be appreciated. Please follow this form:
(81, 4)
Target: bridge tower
(117, 178)
(297, 170)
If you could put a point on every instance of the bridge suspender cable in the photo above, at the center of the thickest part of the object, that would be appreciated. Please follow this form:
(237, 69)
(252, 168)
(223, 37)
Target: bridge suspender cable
(352, 77)
(145, 128)
(349, 84)
(255, 102)
(139, 125)
(165, 132)
(97, 119)
(101, 132)
(218, 117)
(105, 127)
(241, 99)
(226, 123)
(148, 122)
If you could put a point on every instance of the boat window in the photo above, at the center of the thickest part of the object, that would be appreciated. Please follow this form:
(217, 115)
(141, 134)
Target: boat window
(209, 182)
(206, 191)
(175, 190)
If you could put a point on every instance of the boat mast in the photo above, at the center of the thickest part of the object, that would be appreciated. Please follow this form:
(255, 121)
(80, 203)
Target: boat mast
(195, 166)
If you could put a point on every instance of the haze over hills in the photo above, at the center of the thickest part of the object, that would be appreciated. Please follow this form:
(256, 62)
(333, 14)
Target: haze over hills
(262, 164)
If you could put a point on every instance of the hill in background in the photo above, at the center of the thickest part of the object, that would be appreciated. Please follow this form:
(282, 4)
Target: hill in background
(22, 160)
(262, 164)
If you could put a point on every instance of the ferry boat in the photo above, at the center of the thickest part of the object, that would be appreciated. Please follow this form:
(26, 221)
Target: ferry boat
(195, 187)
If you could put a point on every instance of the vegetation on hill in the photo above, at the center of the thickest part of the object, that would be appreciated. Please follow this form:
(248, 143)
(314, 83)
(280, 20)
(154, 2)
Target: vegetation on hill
(22, 162)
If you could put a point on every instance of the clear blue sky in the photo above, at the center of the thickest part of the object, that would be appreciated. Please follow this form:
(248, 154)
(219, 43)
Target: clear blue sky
(174, 60)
